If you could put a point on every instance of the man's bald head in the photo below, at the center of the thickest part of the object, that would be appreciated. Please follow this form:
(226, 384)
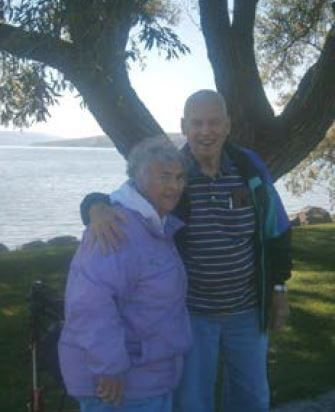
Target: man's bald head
(205, 96)
(206, 125)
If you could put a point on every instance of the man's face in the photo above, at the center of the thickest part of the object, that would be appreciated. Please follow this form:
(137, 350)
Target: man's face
(206, 126)
(162, 184)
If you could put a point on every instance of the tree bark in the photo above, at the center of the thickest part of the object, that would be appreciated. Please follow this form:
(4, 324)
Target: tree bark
(53, 52)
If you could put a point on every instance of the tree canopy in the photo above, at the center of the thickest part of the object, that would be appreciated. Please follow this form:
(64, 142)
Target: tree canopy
(288, 41)
(48, 46)
(318, 168)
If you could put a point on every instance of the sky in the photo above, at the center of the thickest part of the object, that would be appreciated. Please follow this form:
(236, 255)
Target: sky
(163, 86)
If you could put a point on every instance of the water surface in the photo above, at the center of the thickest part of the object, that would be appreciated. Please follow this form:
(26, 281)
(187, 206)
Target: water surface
(41, 189)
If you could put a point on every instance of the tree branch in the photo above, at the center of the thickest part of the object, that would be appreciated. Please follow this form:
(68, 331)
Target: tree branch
(103, 83)
(116, 107)
(310, 112)
(215, 25)
(257, 106)
(231, 53)
(35, 46)
(114, 38)
(244, 18)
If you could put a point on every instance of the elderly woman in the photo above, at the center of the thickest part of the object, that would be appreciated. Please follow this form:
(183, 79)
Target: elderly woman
(126, 324)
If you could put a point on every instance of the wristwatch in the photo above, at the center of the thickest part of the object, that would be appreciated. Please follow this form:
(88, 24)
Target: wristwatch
(280, 288)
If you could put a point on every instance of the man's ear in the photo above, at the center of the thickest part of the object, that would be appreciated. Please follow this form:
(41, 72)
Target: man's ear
(182, 126)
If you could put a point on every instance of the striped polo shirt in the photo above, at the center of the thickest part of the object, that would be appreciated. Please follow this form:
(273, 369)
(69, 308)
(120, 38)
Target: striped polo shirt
(220, 251)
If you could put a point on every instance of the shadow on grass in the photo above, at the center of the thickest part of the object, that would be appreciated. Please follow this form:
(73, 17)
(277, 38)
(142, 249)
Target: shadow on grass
(313, 248)
(320, 278)
(313, 262)
(302, 358)
(300, 295)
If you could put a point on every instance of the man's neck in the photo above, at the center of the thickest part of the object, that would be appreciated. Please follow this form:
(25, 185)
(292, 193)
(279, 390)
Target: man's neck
(210, 166)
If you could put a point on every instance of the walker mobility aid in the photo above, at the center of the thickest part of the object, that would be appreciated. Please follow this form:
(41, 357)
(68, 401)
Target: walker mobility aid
(46, 317)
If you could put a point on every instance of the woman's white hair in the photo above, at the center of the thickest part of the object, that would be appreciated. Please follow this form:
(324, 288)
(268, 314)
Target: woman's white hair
(149, 151)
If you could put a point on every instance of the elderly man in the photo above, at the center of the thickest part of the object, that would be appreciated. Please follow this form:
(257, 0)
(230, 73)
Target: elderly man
(236, 249)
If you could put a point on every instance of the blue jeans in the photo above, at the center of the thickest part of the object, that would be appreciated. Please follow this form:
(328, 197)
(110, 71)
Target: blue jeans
(244, 347)
(161, 403)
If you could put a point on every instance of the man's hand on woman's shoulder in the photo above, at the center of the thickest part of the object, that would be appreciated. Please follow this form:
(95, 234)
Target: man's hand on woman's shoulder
(106, 224)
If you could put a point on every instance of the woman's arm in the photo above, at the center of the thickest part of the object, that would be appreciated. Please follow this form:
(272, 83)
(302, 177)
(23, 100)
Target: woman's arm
(96, 286)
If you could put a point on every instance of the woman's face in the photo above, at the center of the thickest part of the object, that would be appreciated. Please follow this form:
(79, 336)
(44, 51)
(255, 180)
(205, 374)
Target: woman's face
(162, 183)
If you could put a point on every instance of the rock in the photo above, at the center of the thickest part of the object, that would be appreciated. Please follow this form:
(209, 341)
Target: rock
(56, 241)
(312, 215)
(294, 220)
(63, 241)
(3, 248)
(35, 244)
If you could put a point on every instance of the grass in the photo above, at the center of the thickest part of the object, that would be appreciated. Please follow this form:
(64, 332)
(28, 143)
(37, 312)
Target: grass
(302, 358)
(17, 272)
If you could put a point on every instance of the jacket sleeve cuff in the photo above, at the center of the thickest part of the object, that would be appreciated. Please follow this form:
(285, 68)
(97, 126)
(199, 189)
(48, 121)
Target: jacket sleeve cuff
(280, 288)
(280, 279)
(87, 203)
(119, 376)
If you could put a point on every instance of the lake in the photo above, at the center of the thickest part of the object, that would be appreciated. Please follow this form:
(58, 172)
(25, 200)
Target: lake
(41, 189)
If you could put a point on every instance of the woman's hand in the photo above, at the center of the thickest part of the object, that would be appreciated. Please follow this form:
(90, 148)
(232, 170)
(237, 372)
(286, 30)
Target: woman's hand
(110, 390)
(105, 224)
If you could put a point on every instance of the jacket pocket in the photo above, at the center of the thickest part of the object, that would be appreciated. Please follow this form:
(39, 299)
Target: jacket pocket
(241, 197)
(173, 339)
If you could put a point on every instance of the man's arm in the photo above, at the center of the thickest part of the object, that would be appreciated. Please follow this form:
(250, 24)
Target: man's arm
(281, 266)
(88, 202)
(279, 246)
(105, 221)
(280, 256)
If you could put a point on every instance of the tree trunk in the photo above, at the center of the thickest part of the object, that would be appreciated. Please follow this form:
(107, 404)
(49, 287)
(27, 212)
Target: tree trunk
(282, 141)
(102, 78)
(116, 107)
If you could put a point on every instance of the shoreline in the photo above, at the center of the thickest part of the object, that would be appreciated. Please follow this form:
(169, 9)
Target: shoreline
(38, 244)
(308, 216)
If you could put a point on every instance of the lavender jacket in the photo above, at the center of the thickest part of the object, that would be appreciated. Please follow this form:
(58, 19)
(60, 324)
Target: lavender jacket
(125, 313)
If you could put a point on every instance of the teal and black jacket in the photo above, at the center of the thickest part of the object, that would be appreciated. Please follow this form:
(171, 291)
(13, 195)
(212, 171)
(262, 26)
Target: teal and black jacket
(273, 229)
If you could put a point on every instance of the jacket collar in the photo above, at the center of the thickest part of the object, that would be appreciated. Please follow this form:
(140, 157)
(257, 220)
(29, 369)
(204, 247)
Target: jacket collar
(131, 199)
(194, 169)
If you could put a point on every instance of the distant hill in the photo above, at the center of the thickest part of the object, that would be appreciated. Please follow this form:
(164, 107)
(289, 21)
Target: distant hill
(98, 141)
(25, 138)
(93, 141)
